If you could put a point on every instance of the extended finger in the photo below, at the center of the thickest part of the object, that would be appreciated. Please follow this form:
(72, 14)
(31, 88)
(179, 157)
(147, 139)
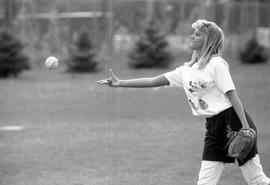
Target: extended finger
(101, 82)
(112, 74)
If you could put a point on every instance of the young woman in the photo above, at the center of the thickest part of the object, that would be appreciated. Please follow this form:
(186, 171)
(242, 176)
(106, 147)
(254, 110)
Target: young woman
(211, 93)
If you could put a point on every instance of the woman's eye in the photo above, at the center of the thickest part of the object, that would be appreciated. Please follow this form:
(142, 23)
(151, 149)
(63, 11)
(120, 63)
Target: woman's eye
(196, 34)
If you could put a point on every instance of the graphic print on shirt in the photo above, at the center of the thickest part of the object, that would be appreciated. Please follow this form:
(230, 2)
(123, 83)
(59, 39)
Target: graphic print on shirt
(196, 89)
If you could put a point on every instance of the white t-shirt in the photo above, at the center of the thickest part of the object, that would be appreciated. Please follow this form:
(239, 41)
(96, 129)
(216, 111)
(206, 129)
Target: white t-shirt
(205, 88)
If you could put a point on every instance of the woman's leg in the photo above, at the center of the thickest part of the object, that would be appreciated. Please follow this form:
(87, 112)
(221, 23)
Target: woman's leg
(210, 172)
(253, 172)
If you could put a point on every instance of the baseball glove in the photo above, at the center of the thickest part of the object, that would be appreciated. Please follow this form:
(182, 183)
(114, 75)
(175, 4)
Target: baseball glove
(241, 144)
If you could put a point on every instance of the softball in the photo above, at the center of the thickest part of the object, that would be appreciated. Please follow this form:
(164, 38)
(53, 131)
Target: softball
(51, 62)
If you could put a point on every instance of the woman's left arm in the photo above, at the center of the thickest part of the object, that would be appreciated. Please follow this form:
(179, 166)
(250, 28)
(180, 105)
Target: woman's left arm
(238, 107)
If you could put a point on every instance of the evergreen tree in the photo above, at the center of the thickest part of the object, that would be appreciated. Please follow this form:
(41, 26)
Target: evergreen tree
(151, 50)
(253, 53)
(12, 59)
(82, 54)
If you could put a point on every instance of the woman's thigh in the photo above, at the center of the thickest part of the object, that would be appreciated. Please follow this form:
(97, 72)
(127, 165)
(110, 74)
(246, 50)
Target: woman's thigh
(253, 172)
(210, 172)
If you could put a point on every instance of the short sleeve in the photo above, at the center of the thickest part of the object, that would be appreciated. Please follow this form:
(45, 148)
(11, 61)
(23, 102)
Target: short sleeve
(175, 77)
(222, 76)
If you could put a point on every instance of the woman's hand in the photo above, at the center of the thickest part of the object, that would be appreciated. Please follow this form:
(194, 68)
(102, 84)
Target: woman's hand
(112, 81)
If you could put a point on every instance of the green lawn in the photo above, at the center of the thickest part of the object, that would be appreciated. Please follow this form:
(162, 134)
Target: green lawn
(78, 133)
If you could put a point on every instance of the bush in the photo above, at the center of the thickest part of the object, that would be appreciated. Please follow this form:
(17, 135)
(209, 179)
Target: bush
(253, 53)
(82, 54)
(151, 50)
(12, 59)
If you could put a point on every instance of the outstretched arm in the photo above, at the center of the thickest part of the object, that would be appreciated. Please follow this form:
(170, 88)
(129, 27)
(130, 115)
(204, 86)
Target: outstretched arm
(113, 81)
(238, 107)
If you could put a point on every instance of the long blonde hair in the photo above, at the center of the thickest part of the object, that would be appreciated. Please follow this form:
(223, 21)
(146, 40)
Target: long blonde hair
(213, 44)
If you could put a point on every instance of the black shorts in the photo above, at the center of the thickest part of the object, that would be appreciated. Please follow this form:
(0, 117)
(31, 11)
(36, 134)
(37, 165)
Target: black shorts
(218, 131)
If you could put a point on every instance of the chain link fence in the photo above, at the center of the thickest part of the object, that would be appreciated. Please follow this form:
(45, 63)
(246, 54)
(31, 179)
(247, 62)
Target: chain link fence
(48, 26)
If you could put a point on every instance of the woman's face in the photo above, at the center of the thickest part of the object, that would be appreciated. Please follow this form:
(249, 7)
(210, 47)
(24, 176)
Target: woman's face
(196, 40)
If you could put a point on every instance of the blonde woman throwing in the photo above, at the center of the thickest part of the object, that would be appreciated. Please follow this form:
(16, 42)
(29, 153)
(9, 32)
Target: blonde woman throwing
(211, 93)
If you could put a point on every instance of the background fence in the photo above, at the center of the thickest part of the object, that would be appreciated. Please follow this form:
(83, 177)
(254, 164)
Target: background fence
(48, 26)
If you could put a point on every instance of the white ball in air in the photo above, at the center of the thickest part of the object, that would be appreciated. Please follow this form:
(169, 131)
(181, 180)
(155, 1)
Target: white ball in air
(51, 62)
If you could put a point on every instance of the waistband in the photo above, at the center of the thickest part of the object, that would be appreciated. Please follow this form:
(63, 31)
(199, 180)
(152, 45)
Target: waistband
(219, 114)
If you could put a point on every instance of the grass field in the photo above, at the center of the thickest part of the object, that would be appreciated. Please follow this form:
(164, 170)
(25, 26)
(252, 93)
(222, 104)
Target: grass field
(77, 133)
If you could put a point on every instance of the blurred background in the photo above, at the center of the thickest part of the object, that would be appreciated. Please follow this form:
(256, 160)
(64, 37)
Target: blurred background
(58, 127)
(47, 27)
